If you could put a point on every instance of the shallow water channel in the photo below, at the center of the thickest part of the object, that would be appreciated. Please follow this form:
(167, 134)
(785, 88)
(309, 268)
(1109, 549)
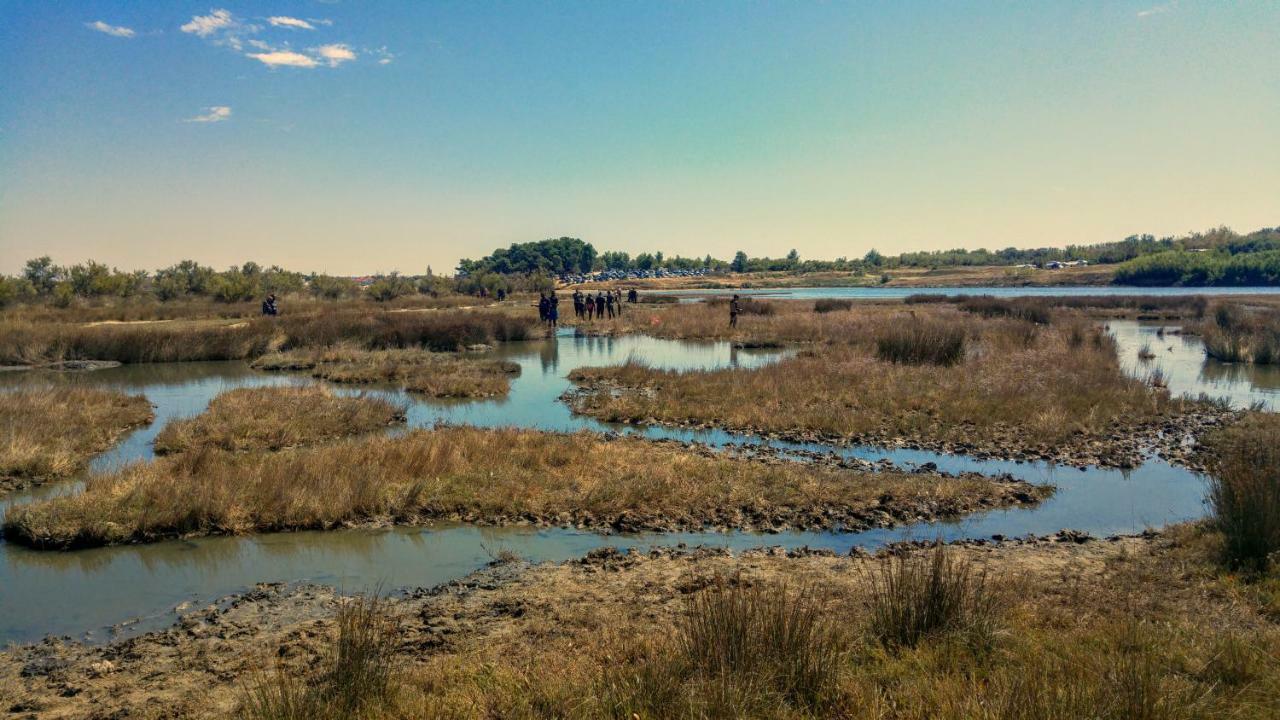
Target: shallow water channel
(100, 593)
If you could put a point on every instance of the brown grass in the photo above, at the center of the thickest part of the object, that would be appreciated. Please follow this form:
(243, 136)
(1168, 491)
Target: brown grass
(1244, 490)
(49, 433)
(26, 342)
(1132, 631)
(274, 418)
(482, 475)
(1019, 385)
(432, 373)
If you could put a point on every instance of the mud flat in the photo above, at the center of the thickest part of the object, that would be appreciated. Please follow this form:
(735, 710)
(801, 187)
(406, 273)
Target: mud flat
(515, 632)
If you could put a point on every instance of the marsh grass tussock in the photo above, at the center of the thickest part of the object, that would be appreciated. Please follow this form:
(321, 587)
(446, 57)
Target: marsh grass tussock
(272, 418)
(921, 342)
(358, 674)
(50, 432)
(436, 374)
(1243, 334)
(1244, 491)
(479, 475)
(917, 595)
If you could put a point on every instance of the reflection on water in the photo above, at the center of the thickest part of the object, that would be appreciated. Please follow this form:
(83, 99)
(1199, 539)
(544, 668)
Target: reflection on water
(1188, 371)
(70, 593)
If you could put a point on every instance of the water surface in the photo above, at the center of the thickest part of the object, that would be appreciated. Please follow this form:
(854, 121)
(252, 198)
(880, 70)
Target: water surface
(83, 591)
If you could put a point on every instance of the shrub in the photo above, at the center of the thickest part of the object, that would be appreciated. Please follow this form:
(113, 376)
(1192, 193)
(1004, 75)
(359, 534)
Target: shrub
(920, 342)
(831, 305)
(1244, 490)
(916, 595)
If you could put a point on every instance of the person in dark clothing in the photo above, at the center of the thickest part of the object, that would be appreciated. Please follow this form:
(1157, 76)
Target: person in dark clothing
(269, 305)
(617, 301)
(735, 309)
(600, 305)
(633, 297)
(608, 303)
(543, 306)
(577, 304)
(502, 294)
(553, 310)
(590, 305)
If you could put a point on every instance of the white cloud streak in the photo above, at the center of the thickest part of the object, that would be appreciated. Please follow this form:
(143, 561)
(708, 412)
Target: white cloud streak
(286, 58)
(113, 30)
(290, 22)
(335, 54)
(206, 25)
(1157, 10)
(217, 113)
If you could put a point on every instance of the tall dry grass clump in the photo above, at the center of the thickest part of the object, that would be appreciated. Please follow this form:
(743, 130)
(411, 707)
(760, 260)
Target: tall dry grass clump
(1240, 334)
(272, 418)
(358, 676)
(827, 305)
(914, 596)
(49, 433)
(739, 649)
(1244, 490)
(432, 373)
(920, 342)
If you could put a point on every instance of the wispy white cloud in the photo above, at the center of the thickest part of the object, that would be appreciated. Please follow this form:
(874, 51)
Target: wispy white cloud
(290, 22)
(206, 25)
(287, 58)
(116, 30)
(383, 54)
(1157, 9)
(217, 113)
(335, 54)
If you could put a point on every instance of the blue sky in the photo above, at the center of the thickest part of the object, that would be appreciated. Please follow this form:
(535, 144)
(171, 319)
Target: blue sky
(356, 137)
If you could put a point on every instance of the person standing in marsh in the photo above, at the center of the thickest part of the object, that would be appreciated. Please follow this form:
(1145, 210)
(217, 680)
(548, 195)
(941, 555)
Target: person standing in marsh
(269, 305)
(577, 304)
(600, 305)
(608, 303)
(617, 301)
(633, 297)
(735, 309)
(553, 310)
(542, 307)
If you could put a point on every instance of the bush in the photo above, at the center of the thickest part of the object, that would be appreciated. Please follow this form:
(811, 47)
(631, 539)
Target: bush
(921, 342)
(831, 305)
(916, 595)
(1244, 490)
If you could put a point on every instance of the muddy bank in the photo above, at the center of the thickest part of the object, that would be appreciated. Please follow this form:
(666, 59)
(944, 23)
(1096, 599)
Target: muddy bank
(199, 667)
(1125, 445)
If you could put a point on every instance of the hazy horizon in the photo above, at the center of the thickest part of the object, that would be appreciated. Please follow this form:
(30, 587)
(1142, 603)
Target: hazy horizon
(343, 138)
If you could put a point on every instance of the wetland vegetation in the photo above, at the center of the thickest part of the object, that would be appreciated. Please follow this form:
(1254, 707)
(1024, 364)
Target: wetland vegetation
(489, 476)
(435, 374)
(50, 432)
(276, 418)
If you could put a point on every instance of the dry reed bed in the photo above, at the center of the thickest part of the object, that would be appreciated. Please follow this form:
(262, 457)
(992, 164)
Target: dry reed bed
(431, 373)
(1238, 333)
(49, 433)
(274, 418)
(488, 476)
(1016, 386)
(24, 342)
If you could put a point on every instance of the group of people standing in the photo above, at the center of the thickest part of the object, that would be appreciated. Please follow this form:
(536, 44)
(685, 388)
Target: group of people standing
(605, 303)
